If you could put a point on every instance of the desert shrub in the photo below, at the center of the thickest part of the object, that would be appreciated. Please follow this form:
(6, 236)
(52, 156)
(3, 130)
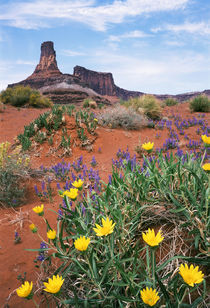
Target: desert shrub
(147, 104)
(2, 107)
(200, 103)
(170, 102)
(13, 173)
(122, 117)
(86, 103)
(19, 96)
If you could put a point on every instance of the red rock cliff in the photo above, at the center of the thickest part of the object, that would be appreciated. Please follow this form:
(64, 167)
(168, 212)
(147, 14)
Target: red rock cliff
(47, 66)
(103, 83)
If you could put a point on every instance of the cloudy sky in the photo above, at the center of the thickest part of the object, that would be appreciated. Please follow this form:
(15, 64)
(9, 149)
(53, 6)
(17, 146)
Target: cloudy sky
(153, 46)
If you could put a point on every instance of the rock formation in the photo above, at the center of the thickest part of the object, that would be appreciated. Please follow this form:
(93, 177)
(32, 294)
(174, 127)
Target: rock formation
(103, 83)
(60, 88)
(47, 66)
(84, 83)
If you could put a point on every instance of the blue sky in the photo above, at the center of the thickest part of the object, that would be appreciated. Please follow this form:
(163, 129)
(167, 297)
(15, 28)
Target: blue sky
(153, 46)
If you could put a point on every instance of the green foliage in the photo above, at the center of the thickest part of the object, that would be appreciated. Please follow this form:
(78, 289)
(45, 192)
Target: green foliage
(146, 104)
(19, 96)
(170, 102)
(200, 104)
(114, 268)
(120, 116)
(13, 174)
(86, 103)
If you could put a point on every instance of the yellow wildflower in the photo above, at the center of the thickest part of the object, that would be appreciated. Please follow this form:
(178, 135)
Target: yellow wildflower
(151, 239)
(205, 139)
(206, 167)
(149, 296)
(72, 193)
(106, 229)
(51, 234)
(78, 184)
(82, 243)
(54, 285)
(25, 289)
(95, 119)
(33, 228)
(191, 275)
(148, 146)
(39, 210)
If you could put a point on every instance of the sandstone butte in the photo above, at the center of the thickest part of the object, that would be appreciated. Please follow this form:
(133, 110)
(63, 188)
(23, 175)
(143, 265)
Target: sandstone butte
(84, 83)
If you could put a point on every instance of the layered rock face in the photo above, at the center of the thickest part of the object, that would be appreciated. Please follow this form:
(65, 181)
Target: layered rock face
(60, 88)
(103, 83)
(47, 66)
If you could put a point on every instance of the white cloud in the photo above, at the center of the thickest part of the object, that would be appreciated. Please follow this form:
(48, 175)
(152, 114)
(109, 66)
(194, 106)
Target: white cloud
(201, 28)
(31, 14)
(127, 35)
(71, 53)
(158, 75)
(23, 62)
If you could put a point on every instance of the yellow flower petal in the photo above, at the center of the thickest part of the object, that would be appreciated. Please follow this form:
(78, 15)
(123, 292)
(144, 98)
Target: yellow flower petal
(54, 285)
(149, 296)
(190, 274)
(82, 243)
(107, 227)
(151, 239)
(25, 289)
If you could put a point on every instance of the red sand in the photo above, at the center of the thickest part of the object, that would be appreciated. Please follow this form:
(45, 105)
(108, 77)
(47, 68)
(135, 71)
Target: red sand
(14, 259)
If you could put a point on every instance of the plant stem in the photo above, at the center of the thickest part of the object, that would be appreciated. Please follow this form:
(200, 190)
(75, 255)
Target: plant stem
(152, 250)
(35, 303)
(179, 302)
(204, 154)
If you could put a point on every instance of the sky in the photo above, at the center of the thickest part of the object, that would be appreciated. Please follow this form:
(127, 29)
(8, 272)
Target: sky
(152, 46)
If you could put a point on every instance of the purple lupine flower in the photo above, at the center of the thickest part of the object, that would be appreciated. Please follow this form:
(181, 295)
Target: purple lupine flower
(36, 189)
(43, 185)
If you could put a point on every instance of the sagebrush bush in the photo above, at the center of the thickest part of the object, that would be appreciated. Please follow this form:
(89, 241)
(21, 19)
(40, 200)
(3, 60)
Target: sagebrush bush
(24, 96)
(13, 173)
(170, 102)
(122, 117)
(146, 104)
(200, 103)
(86, 103)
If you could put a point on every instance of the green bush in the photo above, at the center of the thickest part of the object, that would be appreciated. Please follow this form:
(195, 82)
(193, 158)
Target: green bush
(200, 103)
(146, 104)
(19, 96)
(120, 116)
(86, 103)
(13, 174)
(170, 102)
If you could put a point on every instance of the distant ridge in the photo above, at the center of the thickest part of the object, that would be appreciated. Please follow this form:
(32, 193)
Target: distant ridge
(66, 88)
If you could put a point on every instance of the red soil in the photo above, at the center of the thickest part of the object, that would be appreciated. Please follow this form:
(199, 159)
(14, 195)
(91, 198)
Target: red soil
(14, 259)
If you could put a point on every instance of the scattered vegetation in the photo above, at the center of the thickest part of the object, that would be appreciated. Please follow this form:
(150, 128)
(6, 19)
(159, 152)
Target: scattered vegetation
(14, 169)
(109, 255)
(170, 102)
(120, 116)
(200, 103)
(20, 96)
(147, 105)
(44, 128)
